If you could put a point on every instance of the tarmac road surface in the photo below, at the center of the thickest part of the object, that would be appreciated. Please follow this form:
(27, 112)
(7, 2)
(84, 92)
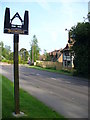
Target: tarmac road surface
(65, 94)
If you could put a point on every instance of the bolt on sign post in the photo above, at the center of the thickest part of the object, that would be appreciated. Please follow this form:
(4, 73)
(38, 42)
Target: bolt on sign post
(10, 28)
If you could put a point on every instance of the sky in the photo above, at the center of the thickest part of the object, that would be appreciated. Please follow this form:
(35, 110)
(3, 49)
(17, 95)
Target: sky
(48, 20)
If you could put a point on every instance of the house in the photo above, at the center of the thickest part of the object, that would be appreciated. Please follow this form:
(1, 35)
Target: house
(68, 55)
(56, 55)
(64, 56)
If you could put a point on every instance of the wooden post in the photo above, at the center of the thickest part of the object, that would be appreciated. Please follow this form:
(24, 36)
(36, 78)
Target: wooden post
(16, 74)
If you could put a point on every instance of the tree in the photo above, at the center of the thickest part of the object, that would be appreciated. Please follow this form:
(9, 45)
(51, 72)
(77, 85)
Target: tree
(47, 56)
(24, 54)
(8, 48)
(1, 47)
(11, 56)
(5, 51)
(81, 33)
(1, 44)
(34, 49)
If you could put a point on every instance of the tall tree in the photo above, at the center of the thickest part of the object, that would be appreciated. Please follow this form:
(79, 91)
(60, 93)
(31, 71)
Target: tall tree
(1, 44)
(1, 47)
(81, 33)
(34, 49)
(5, 51)
(24, 54)
(11, 56)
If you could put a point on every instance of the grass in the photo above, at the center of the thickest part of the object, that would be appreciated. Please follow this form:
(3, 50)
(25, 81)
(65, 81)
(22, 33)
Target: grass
(63, 71)
(32, 107)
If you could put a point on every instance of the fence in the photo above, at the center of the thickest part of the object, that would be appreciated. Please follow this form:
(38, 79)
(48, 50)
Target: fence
(49, 64)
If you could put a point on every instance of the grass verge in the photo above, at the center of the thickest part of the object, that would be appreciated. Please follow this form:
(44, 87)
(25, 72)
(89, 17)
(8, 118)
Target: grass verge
(63, 71)
(32, 107)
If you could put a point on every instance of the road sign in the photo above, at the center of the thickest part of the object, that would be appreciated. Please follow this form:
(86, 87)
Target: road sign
(10, 28)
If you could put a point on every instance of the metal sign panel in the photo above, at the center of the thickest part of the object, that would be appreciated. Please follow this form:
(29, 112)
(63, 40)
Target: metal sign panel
(15, 29)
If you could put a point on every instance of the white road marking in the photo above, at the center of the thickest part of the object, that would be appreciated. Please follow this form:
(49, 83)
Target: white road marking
(68, 82)
(53, 78)
(37, 74)
(73, 98)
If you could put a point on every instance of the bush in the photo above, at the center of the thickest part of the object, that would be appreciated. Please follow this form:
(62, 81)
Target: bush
(10, 62)
(22, 62)
(5, 60)
(52, 68)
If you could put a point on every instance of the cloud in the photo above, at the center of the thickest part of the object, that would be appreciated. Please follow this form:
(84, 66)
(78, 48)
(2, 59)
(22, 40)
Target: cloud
(44, 4)
(17, 1)
(71, 1)
(44, 1)
(54, 35)
(66, 8)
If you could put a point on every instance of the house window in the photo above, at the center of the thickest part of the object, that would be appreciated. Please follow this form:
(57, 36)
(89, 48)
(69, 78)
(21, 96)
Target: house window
(68, 63)
(56, 55)
(65, 63)
(67, 54)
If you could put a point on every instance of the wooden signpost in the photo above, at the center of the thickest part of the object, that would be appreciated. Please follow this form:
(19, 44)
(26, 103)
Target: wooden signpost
(10, 28)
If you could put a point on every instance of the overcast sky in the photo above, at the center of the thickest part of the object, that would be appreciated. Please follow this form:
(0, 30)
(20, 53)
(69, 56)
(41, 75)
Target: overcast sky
(47, 20)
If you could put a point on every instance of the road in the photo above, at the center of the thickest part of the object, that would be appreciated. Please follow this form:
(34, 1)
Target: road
(65, 94)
